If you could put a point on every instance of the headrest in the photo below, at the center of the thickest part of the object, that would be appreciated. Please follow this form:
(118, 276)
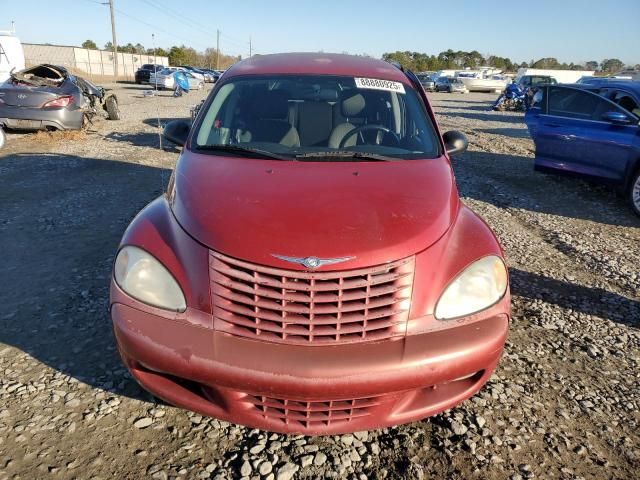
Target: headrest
(352, 105)
(272, 104)
(328, 95)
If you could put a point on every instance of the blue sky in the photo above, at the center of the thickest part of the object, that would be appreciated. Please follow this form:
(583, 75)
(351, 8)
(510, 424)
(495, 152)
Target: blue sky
(569, 30)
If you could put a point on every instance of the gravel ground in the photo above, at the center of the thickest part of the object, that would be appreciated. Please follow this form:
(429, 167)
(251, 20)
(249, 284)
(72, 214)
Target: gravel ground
(563, 402)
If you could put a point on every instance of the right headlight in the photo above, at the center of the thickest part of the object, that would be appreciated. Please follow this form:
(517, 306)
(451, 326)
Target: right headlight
(479, 286)
(144, 278)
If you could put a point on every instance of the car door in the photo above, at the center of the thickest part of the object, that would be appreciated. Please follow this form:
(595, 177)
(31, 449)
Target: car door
(572, 136)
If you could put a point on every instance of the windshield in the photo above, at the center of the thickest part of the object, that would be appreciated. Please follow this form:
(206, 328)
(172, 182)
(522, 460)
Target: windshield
(321, 117)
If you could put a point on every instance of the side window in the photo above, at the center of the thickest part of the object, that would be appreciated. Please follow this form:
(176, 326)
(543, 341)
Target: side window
(627, 102)
(572, 103)
(539, 100)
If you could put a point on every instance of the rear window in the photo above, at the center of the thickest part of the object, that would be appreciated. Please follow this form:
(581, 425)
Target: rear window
(297, 115)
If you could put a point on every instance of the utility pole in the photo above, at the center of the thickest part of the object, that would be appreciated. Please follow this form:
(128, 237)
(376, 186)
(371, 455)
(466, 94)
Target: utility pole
(249, 46)
(217, 49)
(114, 41)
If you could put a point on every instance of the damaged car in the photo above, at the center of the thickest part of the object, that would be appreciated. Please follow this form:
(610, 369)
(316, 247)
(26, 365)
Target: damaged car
(48, 97)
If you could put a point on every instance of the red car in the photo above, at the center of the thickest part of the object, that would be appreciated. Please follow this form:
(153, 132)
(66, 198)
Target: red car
(310, 268)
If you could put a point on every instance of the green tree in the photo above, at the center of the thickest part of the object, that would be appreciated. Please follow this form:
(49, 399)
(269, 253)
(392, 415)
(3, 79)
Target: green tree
(611, 65)
(591, 65)
(548, 62)
(89, 44)
(160, 52)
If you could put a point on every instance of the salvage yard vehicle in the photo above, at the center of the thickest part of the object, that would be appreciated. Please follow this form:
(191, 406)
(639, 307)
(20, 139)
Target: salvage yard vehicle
(584, 134)
(451, 85)
(427, 82)
(311, 267)
(164, 79)
(48, 97)
(143, 74)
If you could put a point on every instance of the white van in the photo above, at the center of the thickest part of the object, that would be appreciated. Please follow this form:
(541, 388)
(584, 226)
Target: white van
(11, 55)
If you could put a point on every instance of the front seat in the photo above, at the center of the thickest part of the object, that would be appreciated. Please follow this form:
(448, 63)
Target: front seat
(352, 105)
(270, 120)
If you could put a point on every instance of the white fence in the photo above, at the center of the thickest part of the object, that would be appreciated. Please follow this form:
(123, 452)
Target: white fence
(92, 63)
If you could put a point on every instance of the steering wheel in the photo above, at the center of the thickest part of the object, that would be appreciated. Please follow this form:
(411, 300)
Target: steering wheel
(364, 128)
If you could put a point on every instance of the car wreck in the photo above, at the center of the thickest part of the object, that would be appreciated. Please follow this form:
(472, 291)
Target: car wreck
(49, 97)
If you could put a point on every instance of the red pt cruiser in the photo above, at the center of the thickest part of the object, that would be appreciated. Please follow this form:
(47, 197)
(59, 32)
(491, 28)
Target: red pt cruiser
(311, 268)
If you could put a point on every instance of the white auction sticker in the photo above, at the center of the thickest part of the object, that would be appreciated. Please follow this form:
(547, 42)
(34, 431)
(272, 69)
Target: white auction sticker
(377, 84)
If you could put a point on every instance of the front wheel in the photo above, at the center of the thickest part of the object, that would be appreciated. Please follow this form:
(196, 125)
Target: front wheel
(634, 193)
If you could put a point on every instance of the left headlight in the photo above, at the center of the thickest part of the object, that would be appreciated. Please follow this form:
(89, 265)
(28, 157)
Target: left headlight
(144, 278)
(479, 286)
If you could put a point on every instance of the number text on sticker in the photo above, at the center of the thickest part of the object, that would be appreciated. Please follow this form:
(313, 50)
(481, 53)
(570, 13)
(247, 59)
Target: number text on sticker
(377, 84)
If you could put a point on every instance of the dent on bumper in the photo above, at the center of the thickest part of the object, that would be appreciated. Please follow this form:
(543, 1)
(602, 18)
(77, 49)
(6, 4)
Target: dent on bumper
(301, 389)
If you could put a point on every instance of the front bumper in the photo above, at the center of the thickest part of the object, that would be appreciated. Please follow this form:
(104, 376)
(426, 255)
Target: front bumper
(26, 118)
(302, 389)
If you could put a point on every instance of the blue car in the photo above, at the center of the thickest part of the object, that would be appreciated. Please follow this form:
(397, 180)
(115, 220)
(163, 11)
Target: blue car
(592, 135)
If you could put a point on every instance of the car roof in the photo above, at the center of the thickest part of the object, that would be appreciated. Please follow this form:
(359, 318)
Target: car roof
(622, 84)
(317, 63)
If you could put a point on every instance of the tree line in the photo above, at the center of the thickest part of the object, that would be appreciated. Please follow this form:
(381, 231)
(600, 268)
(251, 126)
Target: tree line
(178, 55)
(416, 61)
(450, 59)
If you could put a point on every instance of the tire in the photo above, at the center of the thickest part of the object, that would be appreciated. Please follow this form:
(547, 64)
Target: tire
(3, 138)
(112, 108)
(634, 193)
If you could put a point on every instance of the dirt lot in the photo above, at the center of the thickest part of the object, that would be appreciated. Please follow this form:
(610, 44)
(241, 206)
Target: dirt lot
(564, 402)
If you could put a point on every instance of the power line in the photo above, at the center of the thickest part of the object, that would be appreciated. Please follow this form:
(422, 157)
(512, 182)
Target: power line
(187, 23)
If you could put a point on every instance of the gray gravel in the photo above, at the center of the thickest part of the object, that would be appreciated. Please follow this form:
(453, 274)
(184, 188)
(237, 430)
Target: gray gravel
(564, 402)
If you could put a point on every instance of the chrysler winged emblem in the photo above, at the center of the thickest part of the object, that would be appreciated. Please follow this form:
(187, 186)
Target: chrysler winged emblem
(312, 262)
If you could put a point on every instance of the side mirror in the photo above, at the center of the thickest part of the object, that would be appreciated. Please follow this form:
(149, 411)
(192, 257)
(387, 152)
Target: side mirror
(617, 118)
(177, 131)
(455, 142)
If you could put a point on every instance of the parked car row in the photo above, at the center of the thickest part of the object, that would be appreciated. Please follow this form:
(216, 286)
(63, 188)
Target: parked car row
(148, 72)
(441, 84)
(164, 78)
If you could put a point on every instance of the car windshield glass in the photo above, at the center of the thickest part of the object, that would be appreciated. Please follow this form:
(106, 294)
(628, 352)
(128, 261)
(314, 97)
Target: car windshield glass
(303, 116)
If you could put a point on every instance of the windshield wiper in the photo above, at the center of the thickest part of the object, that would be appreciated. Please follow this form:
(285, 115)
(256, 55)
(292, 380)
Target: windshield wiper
(346, 155)
(244, 151)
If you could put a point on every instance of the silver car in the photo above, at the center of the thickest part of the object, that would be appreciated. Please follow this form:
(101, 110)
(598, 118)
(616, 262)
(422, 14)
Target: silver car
(49, 97)
(427, 82)
(164, 79)
(451, 85)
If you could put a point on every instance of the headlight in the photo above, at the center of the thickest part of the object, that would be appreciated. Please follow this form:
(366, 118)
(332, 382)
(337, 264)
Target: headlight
(479, 286)
(146, 279)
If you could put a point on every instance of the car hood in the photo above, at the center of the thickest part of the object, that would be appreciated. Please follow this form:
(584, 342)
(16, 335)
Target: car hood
(375, 212)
